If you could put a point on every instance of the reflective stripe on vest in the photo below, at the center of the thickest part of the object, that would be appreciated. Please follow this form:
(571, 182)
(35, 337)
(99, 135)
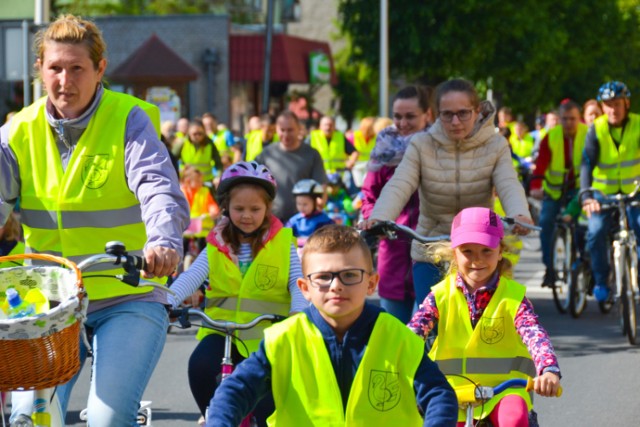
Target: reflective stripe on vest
(198, 157)
(488, 354)
(332, 153)
(305, 388)
(555, 173)
(267, 280)
(75, 212)
(362, 146)
(618, 167)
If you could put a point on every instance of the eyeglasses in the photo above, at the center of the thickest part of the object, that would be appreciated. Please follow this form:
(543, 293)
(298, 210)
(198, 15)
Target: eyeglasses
(463, 115)
(349, 277)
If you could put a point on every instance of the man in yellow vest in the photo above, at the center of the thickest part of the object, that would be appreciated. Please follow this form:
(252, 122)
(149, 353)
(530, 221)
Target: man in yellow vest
(558, 161)
(337, 155)
(260, 138)
(341, 362)
(611, 164)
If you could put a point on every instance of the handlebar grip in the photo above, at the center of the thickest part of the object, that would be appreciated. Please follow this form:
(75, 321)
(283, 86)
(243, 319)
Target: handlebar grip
(529, 387)
(138, 262)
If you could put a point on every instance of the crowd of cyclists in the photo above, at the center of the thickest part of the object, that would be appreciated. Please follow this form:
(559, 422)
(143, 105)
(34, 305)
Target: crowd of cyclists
(268, 220)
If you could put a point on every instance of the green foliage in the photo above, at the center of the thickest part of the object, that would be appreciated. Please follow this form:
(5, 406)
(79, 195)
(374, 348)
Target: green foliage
(534, 53)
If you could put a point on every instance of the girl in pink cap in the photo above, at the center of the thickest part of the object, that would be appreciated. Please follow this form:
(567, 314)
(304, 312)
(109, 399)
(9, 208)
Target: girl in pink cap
(487, 331)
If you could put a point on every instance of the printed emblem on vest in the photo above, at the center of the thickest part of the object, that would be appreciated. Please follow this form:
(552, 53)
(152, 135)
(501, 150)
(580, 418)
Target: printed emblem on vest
(95, 170)
(265, 277)
(384, 390)
(492, 329)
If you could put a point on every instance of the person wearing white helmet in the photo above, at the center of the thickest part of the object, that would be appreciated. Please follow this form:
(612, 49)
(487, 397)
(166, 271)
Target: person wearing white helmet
(309, 217)
(611, 164)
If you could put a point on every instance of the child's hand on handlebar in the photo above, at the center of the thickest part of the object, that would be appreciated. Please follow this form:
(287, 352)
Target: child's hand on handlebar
(547, 384)
(160, 261)
(367, 224)
(590, 206)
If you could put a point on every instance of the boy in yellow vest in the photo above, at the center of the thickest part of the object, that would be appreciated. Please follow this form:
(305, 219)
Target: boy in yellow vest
(341, 362)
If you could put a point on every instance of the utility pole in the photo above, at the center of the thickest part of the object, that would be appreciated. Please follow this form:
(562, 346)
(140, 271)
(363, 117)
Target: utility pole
(267, 57)
(41, 17)
(384, 58)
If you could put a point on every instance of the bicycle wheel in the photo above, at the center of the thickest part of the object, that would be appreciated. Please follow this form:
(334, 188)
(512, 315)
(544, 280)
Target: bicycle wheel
(561, 261)
(628, 303)
(578, 288)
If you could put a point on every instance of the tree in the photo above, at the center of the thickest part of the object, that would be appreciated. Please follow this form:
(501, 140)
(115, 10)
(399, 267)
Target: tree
(533, 53)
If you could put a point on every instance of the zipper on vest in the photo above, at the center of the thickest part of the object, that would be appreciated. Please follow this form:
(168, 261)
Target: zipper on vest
(61, 135)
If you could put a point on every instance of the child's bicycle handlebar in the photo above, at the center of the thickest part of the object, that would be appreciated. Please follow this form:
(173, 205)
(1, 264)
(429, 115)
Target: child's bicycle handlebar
(184, 320)
(473, 393)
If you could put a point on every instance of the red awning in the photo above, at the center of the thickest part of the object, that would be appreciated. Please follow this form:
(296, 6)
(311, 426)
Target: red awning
(153, 62)
(289, 59)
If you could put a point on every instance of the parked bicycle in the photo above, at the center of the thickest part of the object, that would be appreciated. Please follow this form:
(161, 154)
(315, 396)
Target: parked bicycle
(43, 351)
(623, 279)
(228, 328)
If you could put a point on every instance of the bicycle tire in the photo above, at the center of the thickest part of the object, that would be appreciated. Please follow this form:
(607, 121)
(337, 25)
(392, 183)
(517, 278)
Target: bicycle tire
(561, 262)
(628, 303)
(578, 289)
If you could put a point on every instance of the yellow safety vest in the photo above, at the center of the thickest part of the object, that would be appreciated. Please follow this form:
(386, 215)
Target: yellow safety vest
(220, 141)
(617, 168)
(363, 147)
(491, 353)
(152, 111)
(305, 388)
(199, 208)
(75, 212)
(198, 157)
(332, 152)
(18, 249)
(556, 171)
(255, 144)
(262, 290)
(521, 147)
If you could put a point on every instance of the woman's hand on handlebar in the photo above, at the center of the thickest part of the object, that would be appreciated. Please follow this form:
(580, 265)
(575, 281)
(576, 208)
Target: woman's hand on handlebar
(161, 261)
(520, 230)
(547, 384)
(590, 206)
(367, 223)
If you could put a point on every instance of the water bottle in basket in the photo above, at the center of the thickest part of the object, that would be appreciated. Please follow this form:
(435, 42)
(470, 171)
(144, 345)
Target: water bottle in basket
(17, 306)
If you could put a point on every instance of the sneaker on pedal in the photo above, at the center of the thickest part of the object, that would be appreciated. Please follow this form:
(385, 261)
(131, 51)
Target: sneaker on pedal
(22, 421)
(601, 292)
(549, 279)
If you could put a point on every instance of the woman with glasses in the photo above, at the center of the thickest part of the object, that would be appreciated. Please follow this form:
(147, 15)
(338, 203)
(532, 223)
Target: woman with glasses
(455, 165)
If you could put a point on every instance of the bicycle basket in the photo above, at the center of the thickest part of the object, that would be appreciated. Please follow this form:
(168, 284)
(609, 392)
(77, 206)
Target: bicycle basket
(42, 351)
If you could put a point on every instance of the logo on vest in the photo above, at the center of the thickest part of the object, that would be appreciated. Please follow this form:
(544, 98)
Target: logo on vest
(265, 277)
(95, 170)
(492, 329)
(384, 390)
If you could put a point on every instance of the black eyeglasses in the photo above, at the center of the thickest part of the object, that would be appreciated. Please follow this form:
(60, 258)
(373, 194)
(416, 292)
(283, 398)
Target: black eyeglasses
(463, 115)
(323, 279)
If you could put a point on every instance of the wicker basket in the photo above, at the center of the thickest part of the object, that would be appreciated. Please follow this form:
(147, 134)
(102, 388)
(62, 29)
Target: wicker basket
(42, 351)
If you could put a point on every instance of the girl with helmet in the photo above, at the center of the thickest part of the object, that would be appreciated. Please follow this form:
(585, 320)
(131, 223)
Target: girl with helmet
(309, 218)
(245, 266)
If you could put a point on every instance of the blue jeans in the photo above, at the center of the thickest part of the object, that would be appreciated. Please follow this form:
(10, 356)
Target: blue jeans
(547, 221)
(598, 243)
(127, 343)
(425, 275)
(400, 309)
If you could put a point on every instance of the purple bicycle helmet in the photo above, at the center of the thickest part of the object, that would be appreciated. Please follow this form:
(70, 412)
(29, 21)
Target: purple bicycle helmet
(247, 172)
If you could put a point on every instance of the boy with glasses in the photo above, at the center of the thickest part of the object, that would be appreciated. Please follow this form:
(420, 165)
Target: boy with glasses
(341, 361)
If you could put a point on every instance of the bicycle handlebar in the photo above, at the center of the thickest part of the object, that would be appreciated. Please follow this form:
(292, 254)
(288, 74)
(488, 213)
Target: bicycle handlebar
(183, 315)
(613, 200)
(473, 393)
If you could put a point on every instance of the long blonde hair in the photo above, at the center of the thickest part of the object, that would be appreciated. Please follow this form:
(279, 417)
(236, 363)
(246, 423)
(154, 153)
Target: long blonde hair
(442, 254)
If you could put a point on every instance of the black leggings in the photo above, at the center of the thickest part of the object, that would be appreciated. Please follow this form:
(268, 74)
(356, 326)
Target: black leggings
(204, 373)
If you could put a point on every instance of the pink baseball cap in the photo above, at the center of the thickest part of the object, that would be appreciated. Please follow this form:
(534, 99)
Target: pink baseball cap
(477, 225)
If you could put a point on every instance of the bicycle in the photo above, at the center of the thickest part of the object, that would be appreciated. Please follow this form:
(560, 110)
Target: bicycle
(623, 279)
(472, 394)
(228, 328)
(43, 351)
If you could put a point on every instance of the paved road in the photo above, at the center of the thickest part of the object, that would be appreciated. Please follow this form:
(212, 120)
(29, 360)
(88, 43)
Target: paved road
(600, 369)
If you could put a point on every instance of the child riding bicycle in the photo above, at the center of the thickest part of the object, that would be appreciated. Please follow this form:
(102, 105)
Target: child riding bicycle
(474, 309)
(252, 266)
(341, 360)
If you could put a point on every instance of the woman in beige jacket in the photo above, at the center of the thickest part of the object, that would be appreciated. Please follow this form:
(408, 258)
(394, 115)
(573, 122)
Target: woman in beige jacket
(455, 165)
